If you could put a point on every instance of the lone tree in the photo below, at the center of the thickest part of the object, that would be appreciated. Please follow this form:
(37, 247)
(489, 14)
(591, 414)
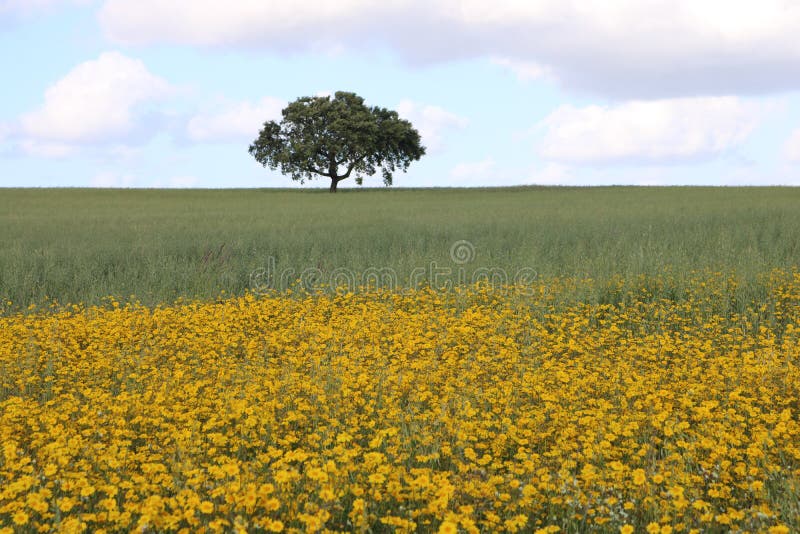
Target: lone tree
(337, 137)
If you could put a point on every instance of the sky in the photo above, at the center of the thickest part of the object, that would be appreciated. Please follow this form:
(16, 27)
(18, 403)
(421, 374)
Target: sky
(170, 93)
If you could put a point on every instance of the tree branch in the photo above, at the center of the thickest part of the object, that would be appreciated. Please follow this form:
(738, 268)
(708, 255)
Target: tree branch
(315, 171)
(349, 170)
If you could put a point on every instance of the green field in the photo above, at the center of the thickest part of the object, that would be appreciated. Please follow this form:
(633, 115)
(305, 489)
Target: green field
(81, 245)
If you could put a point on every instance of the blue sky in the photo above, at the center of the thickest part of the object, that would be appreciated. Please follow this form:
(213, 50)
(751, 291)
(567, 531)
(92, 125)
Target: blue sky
(170, 93)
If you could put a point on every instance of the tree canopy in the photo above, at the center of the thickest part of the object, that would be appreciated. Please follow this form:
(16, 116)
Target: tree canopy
(336, 138)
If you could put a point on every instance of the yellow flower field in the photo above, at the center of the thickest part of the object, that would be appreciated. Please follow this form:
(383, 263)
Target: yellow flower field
(468, 411)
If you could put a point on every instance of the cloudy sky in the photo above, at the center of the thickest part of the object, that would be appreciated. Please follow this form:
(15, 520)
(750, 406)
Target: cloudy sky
(170, 93)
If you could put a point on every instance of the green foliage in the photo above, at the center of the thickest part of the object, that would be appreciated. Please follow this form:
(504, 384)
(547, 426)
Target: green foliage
(336, 137)
(79, 245)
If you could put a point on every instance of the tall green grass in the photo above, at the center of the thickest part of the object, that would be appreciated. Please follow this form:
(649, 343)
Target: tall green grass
(80, 245)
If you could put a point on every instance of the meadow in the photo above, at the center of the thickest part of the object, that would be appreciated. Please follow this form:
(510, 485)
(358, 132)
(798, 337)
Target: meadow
(643, 377)
(470, 411)
(76, 245)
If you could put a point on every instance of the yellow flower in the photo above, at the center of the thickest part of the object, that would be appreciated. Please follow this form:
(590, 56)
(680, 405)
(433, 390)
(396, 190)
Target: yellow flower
(470, 410)
(50, 470)
(206, 507)
(230, 469)
(448, 527)
(377, 478)
(250, 498)
(272, 504)
(275, 526)
(66, 504)
(20, 518)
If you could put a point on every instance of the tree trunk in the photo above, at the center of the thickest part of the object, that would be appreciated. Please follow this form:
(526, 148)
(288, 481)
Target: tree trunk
(333, 172)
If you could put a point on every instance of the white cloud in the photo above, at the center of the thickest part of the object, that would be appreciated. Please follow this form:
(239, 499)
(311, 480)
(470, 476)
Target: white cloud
(240, 121)
(208, 22)
(46, 149)
(97, 102)
(487, 172)
(431, 122)
(478, 169)
(621, 48)
(551, 174)
(174, 182)
(182, 182)
(124, 179)
(28, 7)
(524, 70)
(648, 131)
(791, 149)
(113, 179)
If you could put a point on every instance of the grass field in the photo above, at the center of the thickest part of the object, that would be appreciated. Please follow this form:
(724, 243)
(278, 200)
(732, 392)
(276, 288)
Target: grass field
(77, 245)
(643, 376)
